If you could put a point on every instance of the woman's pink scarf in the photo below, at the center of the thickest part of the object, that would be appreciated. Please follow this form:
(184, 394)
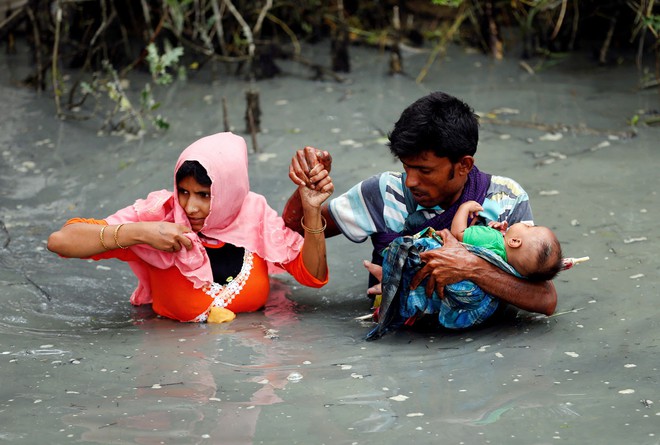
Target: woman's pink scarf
(237, 216)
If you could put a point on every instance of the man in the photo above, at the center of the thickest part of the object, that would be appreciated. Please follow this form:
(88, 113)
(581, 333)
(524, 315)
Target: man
(435, 139)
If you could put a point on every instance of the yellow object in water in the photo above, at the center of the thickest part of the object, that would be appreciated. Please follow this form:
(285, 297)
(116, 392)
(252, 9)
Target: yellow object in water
(220, 315)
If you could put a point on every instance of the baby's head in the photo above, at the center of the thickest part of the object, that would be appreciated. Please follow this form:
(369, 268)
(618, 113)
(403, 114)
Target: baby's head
(533, 251)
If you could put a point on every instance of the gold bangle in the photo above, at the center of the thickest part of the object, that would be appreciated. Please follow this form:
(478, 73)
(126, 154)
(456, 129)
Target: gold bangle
(116, 237)
(101, 236)
(315, 231)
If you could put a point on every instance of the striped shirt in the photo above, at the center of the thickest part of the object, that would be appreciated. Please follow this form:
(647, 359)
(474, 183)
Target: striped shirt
(377, 204)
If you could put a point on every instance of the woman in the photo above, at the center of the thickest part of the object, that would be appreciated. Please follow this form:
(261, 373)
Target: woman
(203, 252)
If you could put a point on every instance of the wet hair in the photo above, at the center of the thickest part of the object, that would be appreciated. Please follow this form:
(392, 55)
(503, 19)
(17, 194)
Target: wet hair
(549, 259)
(194, 169)
(437, 122)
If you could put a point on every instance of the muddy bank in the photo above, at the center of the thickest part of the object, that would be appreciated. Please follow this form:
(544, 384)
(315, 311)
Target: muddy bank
(82, 365)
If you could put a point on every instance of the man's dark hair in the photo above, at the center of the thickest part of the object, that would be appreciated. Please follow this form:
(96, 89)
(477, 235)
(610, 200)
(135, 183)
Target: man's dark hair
(194, 169)
(550, 260)
(437, 122)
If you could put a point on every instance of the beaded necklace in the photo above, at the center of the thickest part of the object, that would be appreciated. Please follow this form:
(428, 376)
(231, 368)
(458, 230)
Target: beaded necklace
(223, 295)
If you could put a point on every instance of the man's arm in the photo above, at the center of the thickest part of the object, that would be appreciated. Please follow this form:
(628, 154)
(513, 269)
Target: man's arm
(453, 263)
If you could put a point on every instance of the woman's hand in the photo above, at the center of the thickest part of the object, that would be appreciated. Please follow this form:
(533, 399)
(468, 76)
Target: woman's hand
(316, 192)
(165, 236)
(309, 171)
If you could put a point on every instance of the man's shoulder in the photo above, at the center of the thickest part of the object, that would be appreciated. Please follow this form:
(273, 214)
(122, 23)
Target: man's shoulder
(503, 184)
(382, 183)
(388, 176)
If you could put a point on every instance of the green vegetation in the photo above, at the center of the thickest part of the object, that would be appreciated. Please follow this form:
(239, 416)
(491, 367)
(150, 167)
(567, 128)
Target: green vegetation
(85, 49)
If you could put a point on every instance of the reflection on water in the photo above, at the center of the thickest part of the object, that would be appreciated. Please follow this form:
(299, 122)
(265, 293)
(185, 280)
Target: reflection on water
(196, 382)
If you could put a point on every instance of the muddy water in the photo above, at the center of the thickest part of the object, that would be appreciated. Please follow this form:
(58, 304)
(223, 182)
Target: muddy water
(79, 364)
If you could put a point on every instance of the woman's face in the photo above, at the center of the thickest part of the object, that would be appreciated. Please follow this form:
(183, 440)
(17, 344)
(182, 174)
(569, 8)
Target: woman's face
(195, 200)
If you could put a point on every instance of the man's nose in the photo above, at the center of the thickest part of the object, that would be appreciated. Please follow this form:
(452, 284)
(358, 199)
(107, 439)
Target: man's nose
(411, 180)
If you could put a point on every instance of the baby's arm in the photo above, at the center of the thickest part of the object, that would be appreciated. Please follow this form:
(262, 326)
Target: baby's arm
(467, 210)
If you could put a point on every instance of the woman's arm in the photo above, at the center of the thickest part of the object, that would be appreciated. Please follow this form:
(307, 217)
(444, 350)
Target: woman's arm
(453, 263)
(83, 240)
(312, 194)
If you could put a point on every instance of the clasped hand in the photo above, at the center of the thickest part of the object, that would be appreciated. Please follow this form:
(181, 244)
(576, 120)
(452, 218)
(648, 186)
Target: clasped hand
(310, 170)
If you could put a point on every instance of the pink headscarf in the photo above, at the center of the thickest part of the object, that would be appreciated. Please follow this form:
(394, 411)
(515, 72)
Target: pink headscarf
(237, 216)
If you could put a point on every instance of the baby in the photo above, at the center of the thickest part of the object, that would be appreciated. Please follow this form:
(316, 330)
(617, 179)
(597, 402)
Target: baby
(533, 251)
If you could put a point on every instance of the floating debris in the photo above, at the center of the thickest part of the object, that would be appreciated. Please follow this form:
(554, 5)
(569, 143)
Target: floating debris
(294, 377)
(271, 333)
(569, 262)
(634, 277)
(572, 354)
(552, 137)
(634, 240)
(627, 391)
(505, 110)
(356, 375)
(629, 365)
(365, 317)
(548, 192)
(399, 398)
(415, 415)
(265, 157)
(42, 142)
(557, 155)
(599, 146)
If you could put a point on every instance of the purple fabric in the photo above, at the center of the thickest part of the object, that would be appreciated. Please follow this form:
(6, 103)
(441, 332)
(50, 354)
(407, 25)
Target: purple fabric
(475, 190)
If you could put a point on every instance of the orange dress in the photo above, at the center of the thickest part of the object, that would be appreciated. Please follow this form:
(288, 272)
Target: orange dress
(175, 297)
